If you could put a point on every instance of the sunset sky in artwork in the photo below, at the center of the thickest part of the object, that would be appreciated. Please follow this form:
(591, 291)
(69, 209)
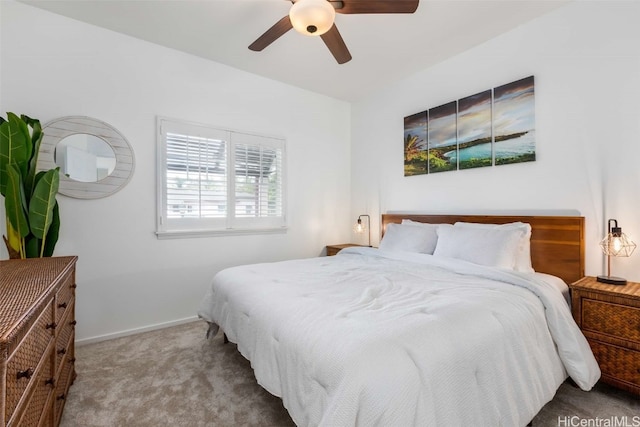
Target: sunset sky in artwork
(514, 107)
(442, 125)
(474, 117)
(416, 124)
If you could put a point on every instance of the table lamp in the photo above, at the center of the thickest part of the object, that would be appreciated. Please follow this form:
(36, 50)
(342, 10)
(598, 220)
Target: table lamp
(615, 243)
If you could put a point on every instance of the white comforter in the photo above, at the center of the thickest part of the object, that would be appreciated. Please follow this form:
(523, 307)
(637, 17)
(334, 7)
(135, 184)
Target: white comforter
(397, 339)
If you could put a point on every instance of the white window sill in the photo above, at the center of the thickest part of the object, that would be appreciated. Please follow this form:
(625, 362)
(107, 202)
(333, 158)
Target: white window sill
(188, 234)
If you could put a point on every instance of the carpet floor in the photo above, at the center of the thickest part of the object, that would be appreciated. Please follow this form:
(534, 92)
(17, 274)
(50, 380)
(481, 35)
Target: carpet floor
(175, 377)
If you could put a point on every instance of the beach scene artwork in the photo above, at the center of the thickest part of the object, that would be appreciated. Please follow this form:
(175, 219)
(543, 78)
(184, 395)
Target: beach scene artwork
(493, 127)
(475, 148)
(415, 144)
(442, 138)
(514, 122)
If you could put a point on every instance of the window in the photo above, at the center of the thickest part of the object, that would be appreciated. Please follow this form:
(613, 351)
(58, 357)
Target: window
(213, 180)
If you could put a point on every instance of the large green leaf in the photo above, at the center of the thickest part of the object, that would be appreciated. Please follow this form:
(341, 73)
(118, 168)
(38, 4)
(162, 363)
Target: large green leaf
(13, 242)
(36, 139)
(23, 162)
(54, 231)
(42, 203)
(32, 247)
(15, 201)
(34, 124)
(15, 147)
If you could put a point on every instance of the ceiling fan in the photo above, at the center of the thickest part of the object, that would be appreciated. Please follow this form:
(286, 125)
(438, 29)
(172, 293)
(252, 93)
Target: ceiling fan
(316, 18)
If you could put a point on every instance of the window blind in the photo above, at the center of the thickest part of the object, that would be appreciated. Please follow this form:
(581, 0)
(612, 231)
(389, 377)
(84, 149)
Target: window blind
(214, 179)
(258, 177)
(196, 176)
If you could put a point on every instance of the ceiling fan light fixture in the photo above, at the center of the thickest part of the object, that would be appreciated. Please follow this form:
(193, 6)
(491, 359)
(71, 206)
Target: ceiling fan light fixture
(312, 17)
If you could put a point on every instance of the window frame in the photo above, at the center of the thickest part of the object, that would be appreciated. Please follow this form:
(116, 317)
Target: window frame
(167, 228)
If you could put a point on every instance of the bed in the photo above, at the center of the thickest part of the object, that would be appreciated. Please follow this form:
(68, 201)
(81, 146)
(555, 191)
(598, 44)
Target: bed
(454, 321)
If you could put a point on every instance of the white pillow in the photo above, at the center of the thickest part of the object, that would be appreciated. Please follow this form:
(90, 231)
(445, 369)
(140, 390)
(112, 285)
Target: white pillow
(523, 256)
(423, 224)
(408, 238)
(491, 247)
(420, 224)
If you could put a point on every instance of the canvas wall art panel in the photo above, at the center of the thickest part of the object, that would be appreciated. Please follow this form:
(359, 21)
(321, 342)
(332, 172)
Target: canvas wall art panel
(475, 148)
(415, 144)
(514, 122)
(442, 138)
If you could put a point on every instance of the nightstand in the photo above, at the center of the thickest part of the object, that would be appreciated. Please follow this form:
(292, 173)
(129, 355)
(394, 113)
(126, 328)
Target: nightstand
(609, 317)
(334, 249)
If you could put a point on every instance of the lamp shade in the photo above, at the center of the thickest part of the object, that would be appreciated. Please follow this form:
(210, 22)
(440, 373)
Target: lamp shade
(312, 17)
(616, 243)
(359, 227)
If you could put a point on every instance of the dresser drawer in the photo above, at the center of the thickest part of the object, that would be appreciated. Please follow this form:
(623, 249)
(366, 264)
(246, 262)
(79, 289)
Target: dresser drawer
(611, 319)
(22, 365)
(64, 296)
(62, 386)
(34, 413)
(66, 331)
(619, 363)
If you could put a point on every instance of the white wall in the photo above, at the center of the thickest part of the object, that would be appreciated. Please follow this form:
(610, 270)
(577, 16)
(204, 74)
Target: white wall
(53, 66)
(586, 63)
(587, 67)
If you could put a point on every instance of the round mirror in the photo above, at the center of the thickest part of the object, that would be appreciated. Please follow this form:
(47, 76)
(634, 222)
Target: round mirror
(86, 158)
(95, 160)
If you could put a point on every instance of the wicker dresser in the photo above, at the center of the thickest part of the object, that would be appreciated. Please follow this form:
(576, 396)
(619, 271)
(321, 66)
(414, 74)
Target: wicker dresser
(37, 324)
(609, 317)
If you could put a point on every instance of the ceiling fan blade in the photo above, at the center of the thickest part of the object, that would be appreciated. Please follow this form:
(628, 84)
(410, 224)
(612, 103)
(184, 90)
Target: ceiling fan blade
(334, 42)
(375, 6)
(272, 34)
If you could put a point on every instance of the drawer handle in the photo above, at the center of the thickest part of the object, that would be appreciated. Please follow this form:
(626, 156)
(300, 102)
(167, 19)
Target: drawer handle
(73, 322)
(60, 397)
(51, 325)
(62, 351)
(50, 382)
(27, 373)
(62, 305)
(73, 286)
(72, 360)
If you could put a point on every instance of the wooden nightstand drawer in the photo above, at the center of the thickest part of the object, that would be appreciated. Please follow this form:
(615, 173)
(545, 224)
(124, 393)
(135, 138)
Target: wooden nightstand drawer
(611, 319)
(618, 363)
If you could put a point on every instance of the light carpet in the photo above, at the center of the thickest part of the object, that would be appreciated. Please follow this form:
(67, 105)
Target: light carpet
(176, 377)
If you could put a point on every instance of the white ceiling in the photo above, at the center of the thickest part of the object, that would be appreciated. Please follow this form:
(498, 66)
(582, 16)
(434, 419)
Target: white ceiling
(385, 48)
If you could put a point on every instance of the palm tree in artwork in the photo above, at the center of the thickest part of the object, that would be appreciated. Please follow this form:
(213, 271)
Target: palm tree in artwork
(412, 147)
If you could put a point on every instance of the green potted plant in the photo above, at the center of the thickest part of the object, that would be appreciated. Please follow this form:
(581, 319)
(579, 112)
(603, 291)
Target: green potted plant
(32, 214)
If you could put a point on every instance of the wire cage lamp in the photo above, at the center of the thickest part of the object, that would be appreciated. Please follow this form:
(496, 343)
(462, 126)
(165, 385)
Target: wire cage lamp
(617, 244)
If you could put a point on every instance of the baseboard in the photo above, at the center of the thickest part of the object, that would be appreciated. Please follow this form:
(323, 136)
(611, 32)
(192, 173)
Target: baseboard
(135, 331)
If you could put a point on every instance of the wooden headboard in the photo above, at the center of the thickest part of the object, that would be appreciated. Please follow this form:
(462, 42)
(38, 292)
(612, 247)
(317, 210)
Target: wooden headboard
(557, 242)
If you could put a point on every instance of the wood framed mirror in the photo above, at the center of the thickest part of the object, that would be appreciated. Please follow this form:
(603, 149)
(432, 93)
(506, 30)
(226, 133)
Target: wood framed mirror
(95, 159)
